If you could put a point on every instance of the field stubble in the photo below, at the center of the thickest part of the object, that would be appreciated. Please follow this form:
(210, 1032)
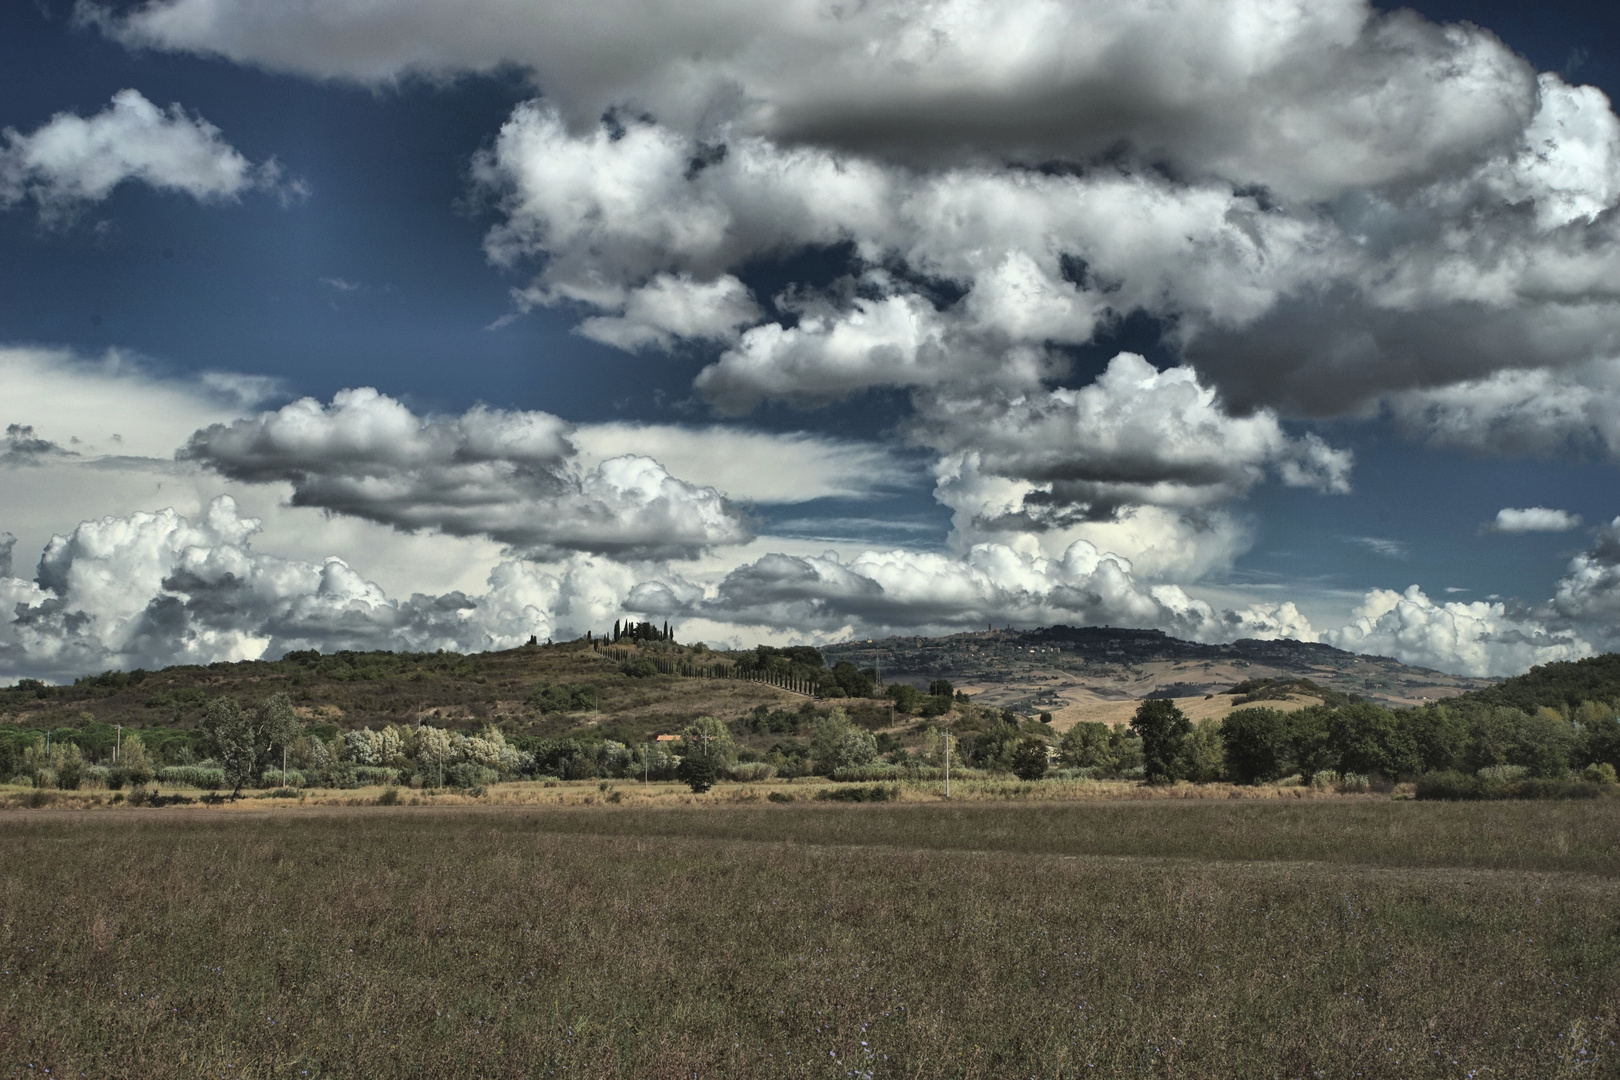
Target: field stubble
(817, 941)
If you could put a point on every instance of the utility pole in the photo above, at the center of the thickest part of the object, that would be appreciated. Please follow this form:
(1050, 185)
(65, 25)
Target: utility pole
(947, 762)
(118, 743)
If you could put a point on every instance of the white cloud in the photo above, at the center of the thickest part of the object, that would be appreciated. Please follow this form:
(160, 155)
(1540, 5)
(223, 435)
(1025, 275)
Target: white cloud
(115, 404)
(880, 592)
(1480, 638)
(1534, 519)
(1307, 99)
(754, 466)
(511, 476)
(1136, 436)
(670, 308)
(1589, 591)
(158, 588)
(1524, 412)
(1382, 545)
(72, 161)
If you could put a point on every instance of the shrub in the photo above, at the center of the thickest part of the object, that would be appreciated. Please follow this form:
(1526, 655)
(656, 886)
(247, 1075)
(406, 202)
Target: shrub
(697, 773)
(1600, 773)
(464, 774)
(1448, 785)
(372, 775)
(751, 772)
(1029, 760)
(780, 796)
(390, 797)
(856, 793)
(1355, 782)
(1323, 779)
(197, 776)
(1502, 774)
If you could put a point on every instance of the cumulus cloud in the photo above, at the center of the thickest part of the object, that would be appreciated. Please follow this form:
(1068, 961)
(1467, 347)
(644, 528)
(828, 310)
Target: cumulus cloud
(754, 466)
(878, 592)
(156, 588)
(1481, 638)
(512, 476)
(1536, 412)
(1308, 99)
(1327, 205)
(1135, 436)
(73, 161)
(1534, 519)
(1589, 591)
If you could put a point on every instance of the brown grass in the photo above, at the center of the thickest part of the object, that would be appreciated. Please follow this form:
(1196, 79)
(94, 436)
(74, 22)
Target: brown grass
(817, 941)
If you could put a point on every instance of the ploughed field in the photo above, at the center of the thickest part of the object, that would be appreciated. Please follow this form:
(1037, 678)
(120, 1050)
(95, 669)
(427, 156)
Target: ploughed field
(1158, 938)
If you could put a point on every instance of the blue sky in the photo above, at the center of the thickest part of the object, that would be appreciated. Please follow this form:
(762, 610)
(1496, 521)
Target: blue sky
(791, 329)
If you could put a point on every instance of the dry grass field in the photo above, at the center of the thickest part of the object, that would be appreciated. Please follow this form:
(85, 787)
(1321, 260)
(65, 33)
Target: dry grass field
(1164, 937)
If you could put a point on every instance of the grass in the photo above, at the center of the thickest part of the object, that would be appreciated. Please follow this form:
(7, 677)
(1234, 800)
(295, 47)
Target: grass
(1184, 938)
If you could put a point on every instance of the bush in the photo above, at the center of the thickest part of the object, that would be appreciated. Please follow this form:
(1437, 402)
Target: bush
(1600, 773)
(751, 772)
(197, 776)
(1448, 785)
(697, 773)
(780, 796)
(855, 793)
(1029, 760)
(390, 797)
(373, 775)
(1355, 782)
(464, 774)
(1323, 779)
(275, 778)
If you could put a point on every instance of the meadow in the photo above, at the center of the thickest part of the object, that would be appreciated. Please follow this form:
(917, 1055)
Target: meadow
(1160, 937)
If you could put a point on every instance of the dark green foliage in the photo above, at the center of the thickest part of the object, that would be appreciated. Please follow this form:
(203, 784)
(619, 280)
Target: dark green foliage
(1162, 728)
(941, 688)
(1257, 745)
(638, 668)
(697, 772)
(1090, 745)
(766, 720)
(1456, 786)
(906, 698)
(244, 741)
(856, 793)
(845, 680)
(1252, 690)
(1029, 760)
(1372, 741)
(546, 698)
(1565, 683)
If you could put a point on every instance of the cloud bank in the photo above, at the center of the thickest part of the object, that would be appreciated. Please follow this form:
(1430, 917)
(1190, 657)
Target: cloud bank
(511, 476)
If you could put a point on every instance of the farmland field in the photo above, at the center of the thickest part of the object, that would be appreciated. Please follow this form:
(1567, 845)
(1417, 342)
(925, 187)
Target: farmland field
(1178, 938)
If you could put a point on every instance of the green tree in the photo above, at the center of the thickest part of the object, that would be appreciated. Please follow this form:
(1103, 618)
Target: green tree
(708, 738)
(832, 746)
(1369, 739)
(1544, 744)
(1088, 745)
(244, 742)
(1203, 755)
(1163, 729)
(697, 772)
(1256, 744)
(1029, 760)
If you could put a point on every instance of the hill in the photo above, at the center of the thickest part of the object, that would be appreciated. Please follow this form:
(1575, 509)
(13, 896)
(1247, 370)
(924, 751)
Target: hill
(1094, 673)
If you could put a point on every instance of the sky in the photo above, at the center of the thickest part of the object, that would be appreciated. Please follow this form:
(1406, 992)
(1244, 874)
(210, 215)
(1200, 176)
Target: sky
(413, 324)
